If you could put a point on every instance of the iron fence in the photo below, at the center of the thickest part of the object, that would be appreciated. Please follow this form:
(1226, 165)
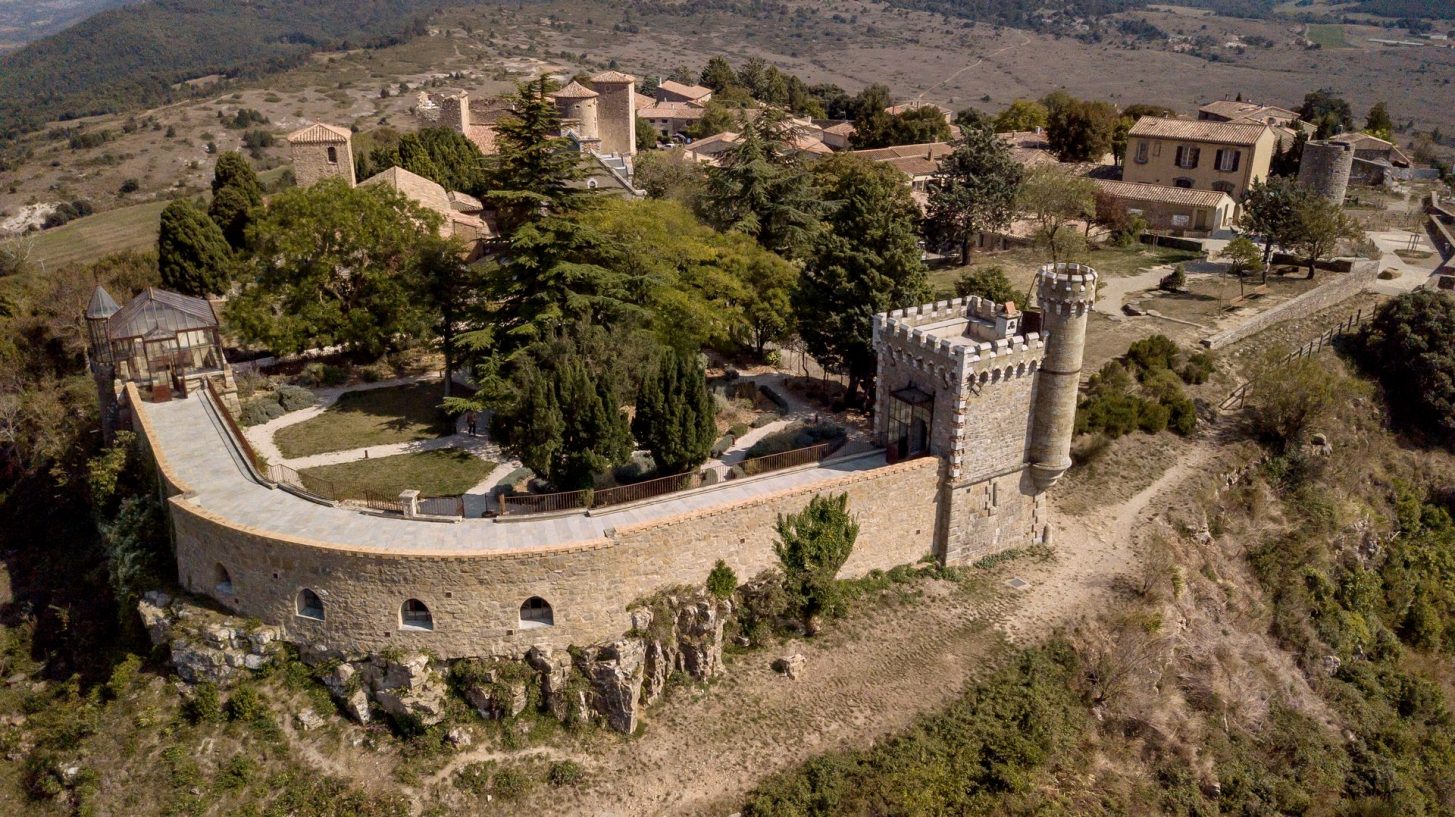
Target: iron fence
(524, 504)
(332, 490)
(442, 505)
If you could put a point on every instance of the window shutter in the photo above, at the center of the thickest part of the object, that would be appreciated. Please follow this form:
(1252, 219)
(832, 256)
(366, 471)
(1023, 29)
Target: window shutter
(1218, 160)
(1180, 151)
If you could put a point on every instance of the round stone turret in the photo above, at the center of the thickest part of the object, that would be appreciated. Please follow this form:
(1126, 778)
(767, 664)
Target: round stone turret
(1325, 168)
(1066, 292)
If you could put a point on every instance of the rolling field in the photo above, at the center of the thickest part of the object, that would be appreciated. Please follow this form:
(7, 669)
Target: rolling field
(1328, 36)
(89, 238)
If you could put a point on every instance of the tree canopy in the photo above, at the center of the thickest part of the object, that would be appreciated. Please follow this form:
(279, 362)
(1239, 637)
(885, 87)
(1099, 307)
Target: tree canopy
(193, 257)
(334, 265)
(974, 191)
(812, 546)
(1082, 130)
(675, 414)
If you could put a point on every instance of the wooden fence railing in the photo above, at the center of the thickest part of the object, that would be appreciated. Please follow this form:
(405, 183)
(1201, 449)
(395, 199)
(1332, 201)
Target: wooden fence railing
(1239, 396)
(523, 504)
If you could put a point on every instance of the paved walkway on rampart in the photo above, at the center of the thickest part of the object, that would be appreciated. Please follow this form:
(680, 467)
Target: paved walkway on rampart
(193, 444)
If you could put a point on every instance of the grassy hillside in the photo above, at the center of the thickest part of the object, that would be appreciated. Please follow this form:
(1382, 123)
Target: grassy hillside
(90, 238)
(133, 55)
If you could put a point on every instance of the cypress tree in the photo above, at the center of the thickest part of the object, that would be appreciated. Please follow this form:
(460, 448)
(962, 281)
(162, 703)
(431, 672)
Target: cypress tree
(594, 434)
(233, 170)
(674, 414)
(193, 257)
(232, 214)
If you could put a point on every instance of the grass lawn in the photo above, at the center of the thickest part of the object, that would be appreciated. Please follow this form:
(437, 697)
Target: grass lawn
(398, 414)
(1021, 264)
(1328, 36)
(446, 472)
(95, 236)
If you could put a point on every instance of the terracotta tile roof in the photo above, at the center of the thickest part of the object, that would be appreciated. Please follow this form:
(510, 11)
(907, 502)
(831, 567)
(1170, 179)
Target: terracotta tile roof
(925, 150)
(671, 110)
(688, 91)
(426, 193)
(318, 132)
(573, 91)
(841, 129)
(613, 77)
(713, 143)
(1248, 112)
(1222, 133)
(484, 138)
(1137, 191)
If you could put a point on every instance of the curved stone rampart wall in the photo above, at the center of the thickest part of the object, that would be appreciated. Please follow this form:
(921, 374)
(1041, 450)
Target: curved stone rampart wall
(475, 599)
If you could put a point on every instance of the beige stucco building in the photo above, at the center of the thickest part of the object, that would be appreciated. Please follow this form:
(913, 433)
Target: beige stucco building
(1200, 155)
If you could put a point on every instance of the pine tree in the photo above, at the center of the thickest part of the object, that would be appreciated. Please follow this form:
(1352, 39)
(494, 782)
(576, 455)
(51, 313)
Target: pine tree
(867, 262)
(674, 414)
(416, 158)
(974, 191)
(762, 190)
(192, 255)
(530, 428)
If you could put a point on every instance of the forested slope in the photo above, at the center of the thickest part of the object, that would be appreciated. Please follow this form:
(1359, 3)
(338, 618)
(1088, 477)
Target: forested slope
(134, 55)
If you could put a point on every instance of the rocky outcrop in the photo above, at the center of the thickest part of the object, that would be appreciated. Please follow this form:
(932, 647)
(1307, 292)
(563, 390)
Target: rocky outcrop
(675, 634)
(207, 646)
(615, 673)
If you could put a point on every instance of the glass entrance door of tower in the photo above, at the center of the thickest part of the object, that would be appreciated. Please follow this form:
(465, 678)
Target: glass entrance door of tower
(910, 413)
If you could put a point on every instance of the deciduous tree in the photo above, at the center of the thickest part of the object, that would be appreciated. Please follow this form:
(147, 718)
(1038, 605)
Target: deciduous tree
(866, 262)
(334, 265)
(1319, 225)
(1270, 210)
(1054, 200)
(1082, 130)
(1021, 115)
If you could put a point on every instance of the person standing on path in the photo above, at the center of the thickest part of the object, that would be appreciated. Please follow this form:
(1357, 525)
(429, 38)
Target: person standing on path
(470, 422)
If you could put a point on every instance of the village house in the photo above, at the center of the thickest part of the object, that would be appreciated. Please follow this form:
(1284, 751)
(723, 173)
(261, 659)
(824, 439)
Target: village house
(1199, 155)
(906, 107)
(671, 117)
(1174, 209)
(673, 91)
(709, 149)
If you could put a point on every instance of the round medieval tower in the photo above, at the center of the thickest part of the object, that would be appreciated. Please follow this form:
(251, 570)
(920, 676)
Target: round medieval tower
(1066, 292)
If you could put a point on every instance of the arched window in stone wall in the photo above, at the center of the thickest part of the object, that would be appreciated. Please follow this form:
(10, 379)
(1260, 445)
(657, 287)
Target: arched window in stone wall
(222, 580)
(536, 612)
(414, 615)
(310, 605)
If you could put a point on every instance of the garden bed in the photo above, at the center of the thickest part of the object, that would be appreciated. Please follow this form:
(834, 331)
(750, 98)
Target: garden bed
(397, 414)
(445, 472)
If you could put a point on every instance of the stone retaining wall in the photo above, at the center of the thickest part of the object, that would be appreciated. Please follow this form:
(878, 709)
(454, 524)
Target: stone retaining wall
(475, 599)
(1337, 289)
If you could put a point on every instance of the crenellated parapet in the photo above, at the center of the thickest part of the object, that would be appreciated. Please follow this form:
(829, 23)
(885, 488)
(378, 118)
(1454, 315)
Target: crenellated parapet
(1066, 288)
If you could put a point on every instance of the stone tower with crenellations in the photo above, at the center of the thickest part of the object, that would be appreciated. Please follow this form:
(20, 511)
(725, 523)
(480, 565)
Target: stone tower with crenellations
(970, 382)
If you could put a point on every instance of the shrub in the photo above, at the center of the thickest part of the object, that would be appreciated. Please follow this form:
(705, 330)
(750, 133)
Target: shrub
(1174, 281)
(260, 410)
(738, 429)
(1152, 417)
(990, 283)
(1149, 354)
(510, 783)
(245, 705)
(1198, 369)
(565, 773)
(1286, 398)
(205, 705)
(293, 398)
(722, 581)
(723, 444)
(812, 545)
(1410, 347)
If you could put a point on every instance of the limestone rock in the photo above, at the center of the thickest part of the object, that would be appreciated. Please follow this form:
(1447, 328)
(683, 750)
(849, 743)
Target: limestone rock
(206, 646)
(308, 720)
(409, 688)
(459, 736)
(699, 636)
(497, 699)
(555, 675)
(791, 665)
(615, 672)
(346, 685)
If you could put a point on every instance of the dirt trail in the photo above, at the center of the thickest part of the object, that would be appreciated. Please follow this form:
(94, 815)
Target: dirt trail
(702, 751)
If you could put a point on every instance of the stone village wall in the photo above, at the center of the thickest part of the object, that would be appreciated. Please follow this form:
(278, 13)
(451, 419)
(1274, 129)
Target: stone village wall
(1339, 288)
(475, 597)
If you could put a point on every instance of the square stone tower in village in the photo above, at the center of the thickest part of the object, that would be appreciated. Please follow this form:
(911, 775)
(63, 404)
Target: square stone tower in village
(969, 382)
(320, 151)
(616, 112)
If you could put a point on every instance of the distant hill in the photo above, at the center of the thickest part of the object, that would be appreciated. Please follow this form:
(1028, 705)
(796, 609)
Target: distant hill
(1437, 9)
(131, 56)
(24, 20)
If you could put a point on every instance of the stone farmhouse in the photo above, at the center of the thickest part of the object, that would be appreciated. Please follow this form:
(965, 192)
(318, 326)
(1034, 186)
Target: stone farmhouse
(1199, 155)
(974, 414)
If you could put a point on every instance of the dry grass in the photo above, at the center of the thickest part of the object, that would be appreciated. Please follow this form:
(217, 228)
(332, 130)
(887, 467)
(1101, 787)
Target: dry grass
(89, 238)
(367, 417)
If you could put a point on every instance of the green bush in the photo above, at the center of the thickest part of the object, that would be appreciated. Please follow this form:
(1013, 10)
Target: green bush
(245, 705)
(511, 783)
(1152, 417)
(205, 705)
(722, 581)
(738, 429)
(293, 398)
(565, 773)
(1198, 369)
(987, 282)
(260, 410)
(1151, 354)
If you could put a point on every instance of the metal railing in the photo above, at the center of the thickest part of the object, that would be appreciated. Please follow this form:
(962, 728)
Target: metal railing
(333, 491)
(442, 505)
(233, 428)
(587, 499)
(1239, 396)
